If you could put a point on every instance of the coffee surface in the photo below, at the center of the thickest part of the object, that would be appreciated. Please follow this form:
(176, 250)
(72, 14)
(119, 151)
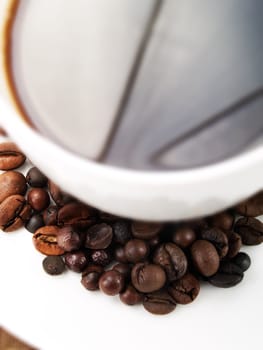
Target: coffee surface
(167, 85)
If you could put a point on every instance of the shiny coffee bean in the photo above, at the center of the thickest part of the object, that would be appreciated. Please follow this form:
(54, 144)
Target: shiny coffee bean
(76, 214)
(121, 232)
(185, 290)
(159, 303)
(184, 236)
(45, 240)
(145, 230)
(234, 243)
(252, 206)
(34, 223)
(124, 269)
(205, 258)
(119, 254)
(38, 198)
(130, 296)
(99, 236)
(224, 221)
(14, 212)
(35, 178)
(76, 261)
(11, 157)
(242, 260)
(136, 250)
(53, 265)
(12, 182)
(250, 230)
(147, 278)
(172, 259)
(60, 197)
(111, 282)
(218, 238)
(50, 215)
(69, 239)
(228, 275)
(90, 277)
(101, 257)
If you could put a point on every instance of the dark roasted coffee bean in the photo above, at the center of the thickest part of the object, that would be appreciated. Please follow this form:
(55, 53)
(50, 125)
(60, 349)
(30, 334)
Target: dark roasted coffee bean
(172, 259)
(131, 296)
(224, 221)
(76, 214)
(234, 243)
(99, 237)
(218, 238)
(60, 197)
(38, 198)
(250, 230)
(12, 182)
(136, 250)
(119, 254)
(14, 212)
(50, 215)
(205, 257)
(35, 178)
(124, 269)
(252, 206)
(147, 278)
(34, 223)
(11, 156)
(145, 230)
(184, 236)
(242, 260)
(228, 275)
(111, 282)
(198, 225)
(90, 277)
(121, 232)
(154, 242)
(184, 290)
(45, 240)
(159, 303)
(69, 239)
(53, 265)
(101, 257)
(76, 261)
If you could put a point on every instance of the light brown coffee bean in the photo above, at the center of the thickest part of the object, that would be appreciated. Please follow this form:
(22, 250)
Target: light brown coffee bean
(205, 257)
(10, 156)
(45, 240)
(12, 182)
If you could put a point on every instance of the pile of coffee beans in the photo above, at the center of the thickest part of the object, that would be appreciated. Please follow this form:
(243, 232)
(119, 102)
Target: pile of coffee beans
(158, 265)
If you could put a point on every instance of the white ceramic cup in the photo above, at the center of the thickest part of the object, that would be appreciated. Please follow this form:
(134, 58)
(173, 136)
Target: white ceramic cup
(137, 194)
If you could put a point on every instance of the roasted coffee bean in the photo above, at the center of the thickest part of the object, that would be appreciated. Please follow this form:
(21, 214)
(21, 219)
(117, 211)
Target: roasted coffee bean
(76, 214)
(154, 242)
(119, 254)
(50, 215)
(45, 240)
(145, 230)
(60, 197)
(252, 206)
(228, 275)
(198, 225)
(38, 198)
(101, 257)
(185, 290)
(184, 236)
(76, 261)
(107, 217)
(34, 223)
(121, 232)
(12, 182)
(234, 243)
(14, 212)
(90, 277)
(124, 269)
(242, 260)
(35, 178)
(218, 238)
(250, 230)
(172, 259)
(111, 282)
(147, 278)
(99, 237)
(136, 250)
(69, 239)
(11, 156)
(159, 303)
(3, 132)
(205, 257)
(131, 296)
(53, 265)
(224, 221)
